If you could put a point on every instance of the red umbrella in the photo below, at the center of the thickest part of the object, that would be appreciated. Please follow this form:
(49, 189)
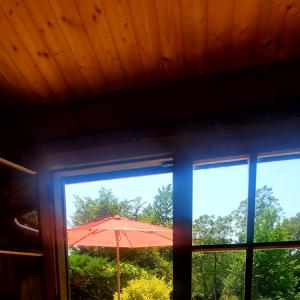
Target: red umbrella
(116, 232)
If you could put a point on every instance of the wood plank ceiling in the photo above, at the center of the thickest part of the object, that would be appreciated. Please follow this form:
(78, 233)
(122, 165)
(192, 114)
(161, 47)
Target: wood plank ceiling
(53, 50)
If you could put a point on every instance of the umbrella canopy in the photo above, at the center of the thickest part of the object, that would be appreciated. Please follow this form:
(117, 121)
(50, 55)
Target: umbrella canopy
(132, 234)
(117, 232)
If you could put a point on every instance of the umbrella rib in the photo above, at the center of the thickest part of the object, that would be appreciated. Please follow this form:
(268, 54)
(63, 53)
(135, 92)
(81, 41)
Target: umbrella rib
(127, 238)
(162, 236)
(92, 232)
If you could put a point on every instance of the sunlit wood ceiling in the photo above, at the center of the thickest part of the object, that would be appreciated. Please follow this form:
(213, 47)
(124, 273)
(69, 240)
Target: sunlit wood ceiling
(53, 50)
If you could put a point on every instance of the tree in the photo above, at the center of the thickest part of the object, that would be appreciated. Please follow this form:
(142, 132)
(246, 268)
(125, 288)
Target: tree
(106, 205)
(233, 283)
(154, 261)
(216, 275)
(209, 269)
(161, 211)
(163, 205)
(273, 275)
(210, 230)
(275, 272)
(293, 227)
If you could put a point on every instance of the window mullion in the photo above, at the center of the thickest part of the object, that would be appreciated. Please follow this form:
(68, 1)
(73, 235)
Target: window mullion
(250, 225)
(182, 230)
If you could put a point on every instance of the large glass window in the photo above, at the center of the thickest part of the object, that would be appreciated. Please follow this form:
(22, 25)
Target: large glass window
(219, 202)
(127, 219)
(277, 215)
(218, 275)
(219, 218)
(276, 274)
(236, 228)
(252, 206)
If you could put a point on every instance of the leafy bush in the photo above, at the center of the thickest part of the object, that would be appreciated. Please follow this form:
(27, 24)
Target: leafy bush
(147, 288)
(95, 277)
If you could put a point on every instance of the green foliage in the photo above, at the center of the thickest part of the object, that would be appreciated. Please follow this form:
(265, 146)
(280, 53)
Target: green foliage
(233, 283)
(214, 275)
(273, 275)
(106, 205)
(95, 277)
(146, 288)
(163, 206)
(161, 212)
(156, 261)
(211, 230)
(276, 273)
(293, 227)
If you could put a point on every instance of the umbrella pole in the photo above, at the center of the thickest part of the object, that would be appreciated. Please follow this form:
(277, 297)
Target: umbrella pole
(118, 263)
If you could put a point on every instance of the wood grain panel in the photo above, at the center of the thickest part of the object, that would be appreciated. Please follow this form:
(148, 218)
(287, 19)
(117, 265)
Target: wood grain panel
(194, 27)
(144, 20)
(269, 27)
(219, 31)
(289, 40)
(244, 25)
(74, 30)
(170, 30)
(6, 88)
(19, 54)
(52, 49)
(51, 32)
(102, 41)
(118, 17)
(10, 71)
(20, 18)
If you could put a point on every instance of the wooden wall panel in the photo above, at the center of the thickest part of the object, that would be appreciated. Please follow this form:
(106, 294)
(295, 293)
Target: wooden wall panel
(194, 29)
(289, 41)
(5, 86)
(123, 34)
(51, 32)
(269, 28)
(70, 49)
(100, 36)
(74, 30)
(244, 26)
(19, 16)
(170, 30)
(12, 75)
(219, 34)
(144, 19)
(22, 58)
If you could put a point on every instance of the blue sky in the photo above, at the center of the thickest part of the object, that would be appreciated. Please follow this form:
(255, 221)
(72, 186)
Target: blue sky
(216, 191)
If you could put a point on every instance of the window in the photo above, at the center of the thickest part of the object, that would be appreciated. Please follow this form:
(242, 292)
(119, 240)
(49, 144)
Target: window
(248, 249)
(277, 198)
(235, 222)
(218, 274)
(135, 204)
(218, 190)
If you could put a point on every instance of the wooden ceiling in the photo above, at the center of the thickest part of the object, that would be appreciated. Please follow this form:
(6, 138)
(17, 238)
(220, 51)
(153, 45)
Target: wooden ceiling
(54, 50)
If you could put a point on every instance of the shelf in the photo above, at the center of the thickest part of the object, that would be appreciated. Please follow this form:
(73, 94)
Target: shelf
(7, 252)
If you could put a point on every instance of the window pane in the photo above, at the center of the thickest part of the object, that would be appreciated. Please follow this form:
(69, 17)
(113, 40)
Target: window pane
(278, 201)
(218, 275)
(276, 274)
(92, 269)
(219, 204)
